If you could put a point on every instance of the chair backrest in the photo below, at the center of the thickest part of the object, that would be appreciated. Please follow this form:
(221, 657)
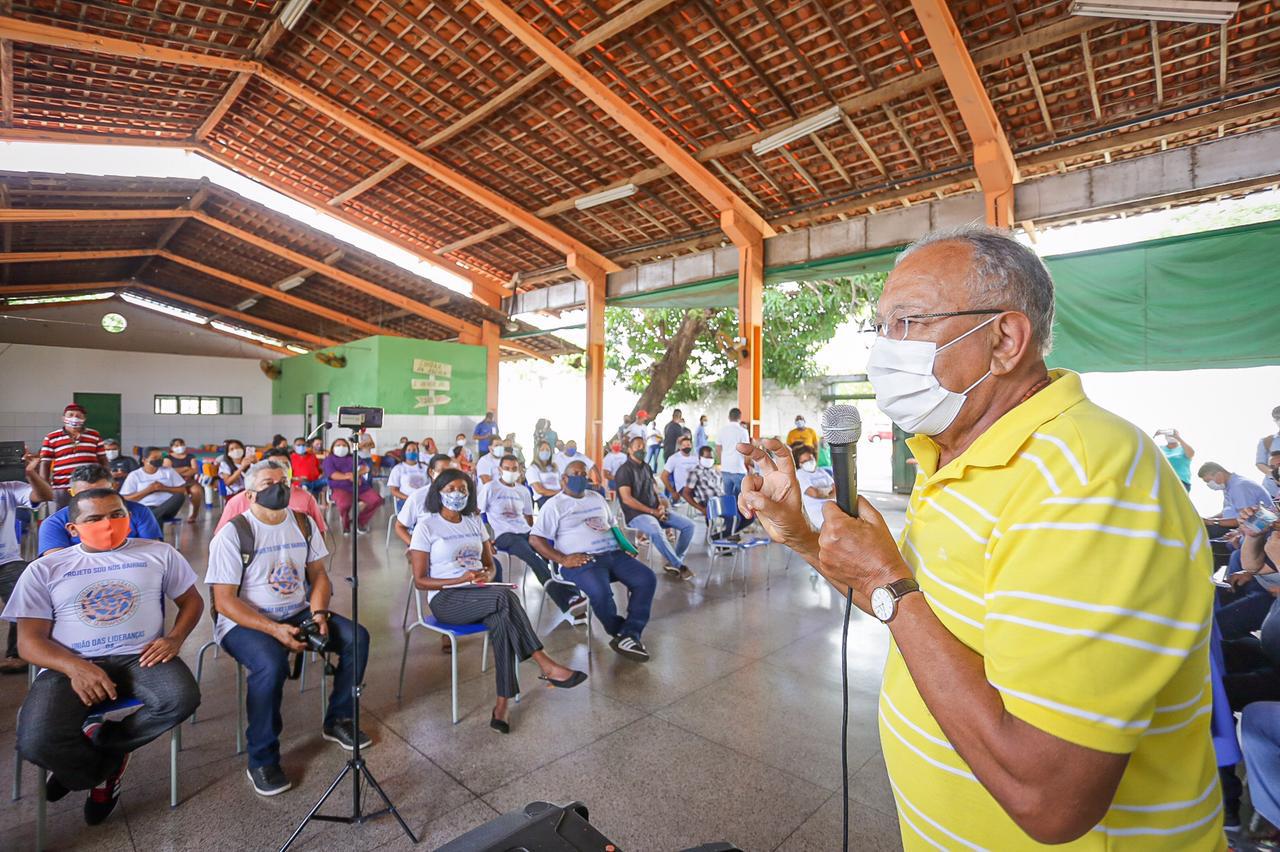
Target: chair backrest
(723, 506)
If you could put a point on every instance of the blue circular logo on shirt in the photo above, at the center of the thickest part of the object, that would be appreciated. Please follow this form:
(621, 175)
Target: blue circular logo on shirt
(469, 558)
(284, 579)
(107, 603)
(597, 524)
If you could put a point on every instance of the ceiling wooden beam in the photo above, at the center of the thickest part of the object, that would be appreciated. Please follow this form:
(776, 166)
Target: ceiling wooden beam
(524, 350)
(224, 104)
(272, 293)
(32, 33)
(45, 214)
(195, 202)
(247, 319)
(18, 291)
(52, 256)
(613, 26)
(62, 137)
(684, 164)
(992, 155)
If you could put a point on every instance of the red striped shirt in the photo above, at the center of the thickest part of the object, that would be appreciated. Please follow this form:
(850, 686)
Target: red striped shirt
(67, 453)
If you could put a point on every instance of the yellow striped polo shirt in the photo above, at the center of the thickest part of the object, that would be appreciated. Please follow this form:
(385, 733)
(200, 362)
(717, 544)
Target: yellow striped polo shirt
(1062, 548)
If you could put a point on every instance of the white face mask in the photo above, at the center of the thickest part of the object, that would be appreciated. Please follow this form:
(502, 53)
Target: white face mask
(235, 455)
(341, 450)
(511, 477)
(799, 424)
(1216, 486)
(178, 449)
(907, 391)
(809, 467)
(707, 461)
(462, 442)
(112, 455)
(497, 451)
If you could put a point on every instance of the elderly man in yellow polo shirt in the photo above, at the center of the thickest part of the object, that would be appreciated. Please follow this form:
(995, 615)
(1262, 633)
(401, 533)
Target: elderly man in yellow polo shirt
(1049, 599)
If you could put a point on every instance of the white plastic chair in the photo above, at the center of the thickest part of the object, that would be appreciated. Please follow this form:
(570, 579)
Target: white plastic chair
(435, 625)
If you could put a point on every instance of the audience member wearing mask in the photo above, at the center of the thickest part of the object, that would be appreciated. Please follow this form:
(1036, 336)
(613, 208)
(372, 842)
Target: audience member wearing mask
(672, 433)
(487, 467)
(636, 428)
(542, 431)
(300, 500)
(704, 485)
(676, 471)
(1237, 493)
(1178, 452)
(279, 442)
(570, 453)
(700, 438)
(414, 508)
(408, 476)
(188, 467)
(306, 467)
(645, 510)
(817, 486)
(85, 656)
(341, 471)
(15, 496)
(507, 504)
(612, 461)
(1269, 443)
(259, 607)
(654, 442)
(54, 534)
(485, 432)
(733, 467)
(232, 466)
(461, 441)
(427, 446)
(543, 475)
(119, 464)
(802, 435)
(461, 459)
(65, 449)
(155, 486)
(450, 546)
(575, 530)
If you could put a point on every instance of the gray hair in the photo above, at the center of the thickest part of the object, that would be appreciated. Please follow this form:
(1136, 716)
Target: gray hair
(1005, 274)
(251, 478)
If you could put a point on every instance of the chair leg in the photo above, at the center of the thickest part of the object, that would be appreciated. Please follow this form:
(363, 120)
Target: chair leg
(453, 661)
(240, 723)
(484, 654)
(175, 745)
(403, 657)
(302, 677)
(391, 521)
(324, 691)
(42, 778)
(17, 775)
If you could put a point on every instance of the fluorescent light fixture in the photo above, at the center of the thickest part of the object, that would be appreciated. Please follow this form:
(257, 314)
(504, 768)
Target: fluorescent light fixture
(247, 304)
(812, 124)
(57, 300)
(162, 308)
(1181, 11)
(616, 194)
(296, 349)
(289, 283)
(246, 333)
(293, 10)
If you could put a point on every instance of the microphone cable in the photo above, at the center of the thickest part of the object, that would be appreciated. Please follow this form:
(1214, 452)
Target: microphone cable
(844, 714)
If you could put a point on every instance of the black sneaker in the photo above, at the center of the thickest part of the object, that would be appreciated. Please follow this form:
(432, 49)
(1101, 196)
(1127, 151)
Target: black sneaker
(630, 647)
(54, 789)
(103, 798)
(340, 732)
(268, 780)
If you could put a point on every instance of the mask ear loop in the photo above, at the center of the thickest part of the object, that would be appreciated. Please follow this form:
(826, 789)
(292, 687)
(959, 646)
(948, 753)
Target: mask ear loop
(967, 333)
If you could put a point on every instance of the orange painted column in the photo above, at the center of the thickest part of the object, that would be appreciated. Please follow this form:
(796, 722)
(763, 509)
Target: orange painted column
(489, 336)
(750, 243)
(595, 278)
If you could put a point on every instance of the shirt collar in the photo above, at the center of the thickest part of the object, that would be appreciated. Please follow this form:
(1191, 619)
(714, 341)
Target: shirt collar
(997, 446)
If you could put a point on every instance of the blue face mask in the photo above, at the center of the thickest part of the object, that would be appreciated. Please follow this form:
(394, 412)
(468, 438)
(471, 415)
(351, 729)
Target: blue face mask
(570, 451)
(411, 457)
(455, 500)
(575, 484)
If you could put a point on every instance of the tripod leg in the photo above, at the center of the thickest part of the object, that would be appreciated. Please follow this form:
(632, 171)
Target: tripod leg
(316, 807)
(373, 782)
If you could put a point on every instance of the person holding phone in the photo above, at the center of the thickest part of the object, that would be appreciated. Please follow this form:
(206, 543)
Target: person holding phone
(1178, 452)
(452, 561)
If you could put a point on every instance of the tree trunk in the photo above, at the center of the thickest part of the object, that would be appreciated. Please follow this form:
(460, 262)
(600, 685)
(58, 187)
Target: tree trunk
(672, 364)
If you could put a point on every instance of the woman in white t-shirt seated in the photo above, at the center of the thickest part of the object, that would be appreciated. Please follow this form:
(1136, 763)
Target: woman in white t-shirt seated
(409, 475)
(452, 561)
(543, 475)
(817, 486)
(232, 466)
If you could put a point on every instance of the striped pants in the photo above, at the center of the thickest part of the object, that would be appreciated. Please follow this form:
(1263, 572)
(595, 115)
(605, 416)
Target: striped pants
(510, 632)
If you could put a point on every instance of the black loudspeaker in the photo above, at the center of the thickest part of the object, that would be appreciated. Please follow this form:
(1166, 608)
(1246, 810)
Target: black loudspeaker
(544, 827)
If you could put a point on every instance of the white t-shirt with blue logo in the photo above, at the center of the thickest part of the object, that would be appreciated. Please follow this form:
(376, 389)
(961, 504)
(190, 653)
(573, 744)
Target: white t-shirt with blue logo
(13, 496)
(454, 549)
(506, 507)
(577, 524)
(408, 477)
(102, 603)
(275, 583)
(821, 480)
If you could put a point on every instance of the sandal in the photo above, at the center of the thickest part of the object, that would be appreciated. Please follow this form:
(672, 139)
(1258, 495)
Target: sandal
(568, 683)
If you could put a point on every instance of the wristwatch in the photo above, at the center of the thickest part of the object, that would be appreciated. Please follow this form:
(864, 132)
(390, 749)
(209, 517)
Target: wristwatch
(884, 600)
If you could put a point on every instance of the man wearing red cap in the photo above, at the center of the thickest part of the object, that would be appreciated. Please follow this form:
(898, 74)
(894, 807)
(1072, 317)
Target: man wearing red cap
(66, 449)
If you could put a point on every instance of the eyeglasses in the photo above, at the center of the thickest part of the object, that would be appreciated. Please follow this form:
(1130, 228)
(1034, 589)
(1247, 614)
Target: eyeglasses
(898, 328)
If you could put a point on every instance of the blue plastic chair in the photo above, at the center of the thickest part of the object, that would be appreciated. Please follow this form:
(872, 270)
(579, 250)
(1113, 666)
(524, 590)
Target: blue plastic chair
(718, 545)
(435, 625)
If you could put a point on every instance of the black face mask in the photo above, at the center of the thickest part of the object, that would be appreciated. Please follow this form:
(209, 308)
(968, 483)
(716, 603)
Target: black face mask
(1275, 473)
(156, 463)
(686, 450)
(274, 496)
(638, 455)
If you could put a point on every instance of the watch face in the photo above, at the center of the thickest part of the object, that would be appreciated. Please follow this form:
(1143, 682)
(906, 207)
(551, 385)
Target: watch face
(882, 603)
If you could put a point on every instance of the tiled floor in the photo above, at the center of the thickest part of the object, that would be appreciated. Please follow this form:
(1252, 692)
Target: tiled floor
(731, 732)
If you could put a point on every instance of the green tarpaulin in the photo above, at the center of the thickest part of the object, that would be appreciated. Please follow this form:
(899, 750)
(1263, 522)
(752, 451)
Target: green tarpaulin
(1203, 300)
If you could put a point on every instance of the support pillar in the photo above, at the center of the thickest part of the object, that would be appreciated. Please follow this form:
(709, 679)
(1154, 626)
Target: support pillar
(750, 243)
(595, 279)
(489, 336)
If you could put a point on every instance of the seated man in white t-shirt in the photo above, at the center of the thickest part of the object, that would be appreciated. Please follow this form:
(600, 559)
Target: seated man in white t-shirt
(676, 471)
(570, 453)
(92, 617)
(487, 467)
(816, 486)
(409, 475)
(575, 530)
(259, 609)
(161, 489)
(508, 506)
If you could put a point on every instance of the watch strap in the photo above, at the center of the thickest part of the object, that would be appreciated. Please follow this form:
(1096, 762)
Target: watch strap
(903, 587)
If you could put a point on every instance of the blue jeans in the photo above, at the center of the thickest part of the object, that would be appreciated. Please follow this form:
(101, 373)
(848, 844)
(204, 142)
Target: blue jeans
(652, 527)
(732, 484)
(517, 545)
(1260, 738)
(268, 664)
(616, 567)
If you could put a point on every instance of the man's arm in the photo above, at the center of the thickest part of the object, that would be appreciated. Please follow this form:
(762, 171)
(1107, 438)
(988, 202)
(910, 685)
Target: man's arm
(165, 648)
(36, 646)
(321, 587)
(1186, 448)
(624, 494)
(40, 490)
(546, 551)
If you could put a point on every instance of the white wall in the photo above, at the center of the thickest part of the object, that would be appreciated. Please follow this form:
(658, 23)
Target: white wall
(36, 382)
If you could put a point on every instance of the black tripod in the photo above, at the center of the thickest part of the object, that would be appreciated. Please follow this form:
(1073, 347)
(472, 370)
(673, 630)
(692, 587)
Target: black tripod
(355, 764)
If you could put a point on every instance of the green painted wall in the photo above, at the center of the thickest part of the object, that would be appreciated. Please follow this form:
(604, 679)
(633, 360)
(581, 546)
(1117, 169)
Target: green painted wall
(398, 374)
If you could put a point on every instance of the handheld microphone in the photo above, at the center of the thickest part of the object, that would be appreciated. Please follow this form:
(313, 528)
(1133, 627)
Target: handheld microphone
(316, 431)
(841, 428)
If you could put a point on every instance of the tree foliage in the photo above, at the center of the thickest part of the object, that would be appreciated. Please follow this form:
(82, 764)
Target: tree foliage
(799, 318)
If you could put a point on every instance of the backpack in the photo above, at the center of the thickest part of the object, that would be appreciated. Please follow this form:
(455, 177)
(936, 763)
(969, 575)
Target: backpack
(249, 549)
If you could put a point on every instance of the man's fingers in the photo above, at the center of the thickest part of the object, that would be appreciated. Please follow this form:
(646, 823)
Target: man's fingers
(757, 455)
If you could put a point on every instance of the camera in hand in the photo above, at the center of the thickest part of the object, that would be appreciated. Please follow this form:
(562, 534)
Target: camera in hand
(316, 642)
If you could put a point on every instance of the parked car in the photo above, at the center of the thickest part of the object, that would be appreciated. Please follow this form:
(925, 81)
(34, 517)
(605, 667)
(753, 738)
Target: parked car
(882, 433)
